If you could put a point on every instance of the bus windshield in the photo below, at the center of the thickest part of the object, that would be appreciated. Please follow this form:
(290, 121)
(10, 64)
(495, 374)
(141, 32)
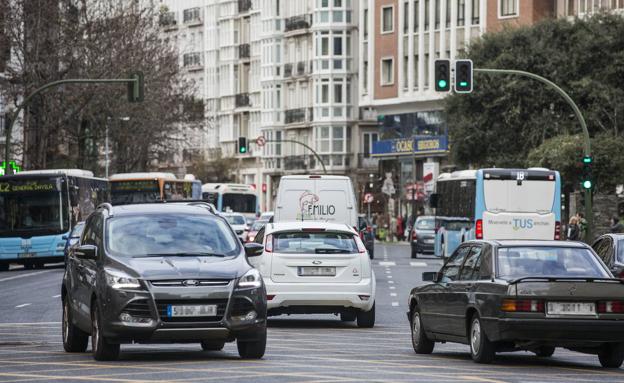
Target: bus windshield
(511, 196)
(240, 203)
(32, 208)
(127, 192)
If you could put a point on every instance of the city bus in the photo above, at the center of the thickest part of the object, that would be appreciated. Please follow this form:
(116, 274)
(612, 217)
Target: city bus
(496, 204)
(38, 210)
(235, 198)
(128, 188)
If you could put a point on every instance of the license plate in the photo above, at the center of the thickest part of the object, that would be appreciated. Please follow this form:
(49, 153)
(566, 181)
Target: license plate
(316, 271)
(571, 308)
(176, 311)
(26, 255)
(429, 241)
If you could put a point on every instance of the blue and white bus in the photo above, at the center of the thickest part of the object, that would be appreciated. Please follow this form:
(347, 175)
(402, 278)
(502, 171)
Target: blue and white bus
(496, 204)
(39, 208)
(233, 198)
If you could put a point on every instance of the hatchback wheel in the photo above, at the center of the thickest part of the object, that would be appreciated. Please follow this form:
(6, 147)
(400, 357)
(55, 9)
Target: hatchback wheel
(103, 350)
(74, 339)
(481, 349)
(208, 345)
(420, 342)
(611, 355)
(252, 349)
(366, 319)
(544, 351)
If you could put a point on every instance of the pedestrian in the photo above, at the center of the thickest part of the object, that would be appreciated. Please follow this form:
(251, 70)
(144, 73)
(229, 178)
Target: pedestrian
(582, 222)
(392, 229)
(574, 232)
(616, 226)
(399, 229)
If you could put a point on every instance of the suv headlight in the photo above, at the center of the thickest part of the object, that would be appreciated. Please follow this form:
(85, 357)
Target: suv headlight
(251, 279)
(119, 280)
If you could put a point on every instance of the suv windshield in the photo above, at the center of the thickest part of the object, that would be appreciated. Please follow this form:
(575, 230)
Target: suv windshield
(319, 243)
(236, 219)
(518, 262)
(170, 234)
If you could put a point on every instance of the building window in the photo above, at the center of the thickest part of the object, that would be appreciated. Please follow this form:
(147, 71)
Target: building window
(405, 18)
(338, 46)
(437, 5)
(448, 13)
(507, 8)
(369, 141)
(427, 15)
(191, 15)
(192, 59)
(387, 71)
(366, 24)
(387, 19)
(461, 12)
(416, 15)
(476, 11)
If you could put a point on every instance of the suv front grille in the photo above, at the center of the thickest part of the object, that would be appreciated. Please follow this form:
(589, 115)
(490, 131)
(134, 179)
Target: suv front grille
(190, 282)
(138, 309)
(162, 306)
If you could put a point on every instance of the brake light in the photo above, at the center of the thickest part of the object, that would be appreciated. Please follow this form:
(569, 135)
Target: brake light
(611, 307)
(522, 305)
(414, 235)
(268, 245)
(360, 245)
(479, 229)
(557, 231)
(313, 230)
(314, 177)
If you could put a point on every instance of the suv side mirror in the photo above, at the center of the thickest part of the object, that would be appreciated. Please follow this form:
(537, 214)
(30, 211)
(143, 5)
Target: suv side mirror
(430, 276)
(86, 252)
(253, 249)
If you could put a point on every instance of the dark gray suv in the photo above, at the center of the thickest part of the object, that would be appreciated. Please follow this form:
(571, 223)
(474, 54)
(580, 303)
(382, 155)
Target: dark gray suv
(162, 273)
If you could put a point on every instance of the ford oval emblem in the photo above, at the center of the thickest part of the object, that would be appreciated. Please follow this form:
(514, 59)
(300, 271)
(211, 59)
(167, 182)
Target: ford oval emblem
(316, 262)
(572, 289)
(190, 282)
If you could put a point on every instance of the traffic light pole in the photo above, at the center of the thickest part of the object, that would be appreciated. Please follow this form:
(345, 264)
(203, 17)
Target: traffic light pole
(307, 147)
(587, 143)
(23, 104)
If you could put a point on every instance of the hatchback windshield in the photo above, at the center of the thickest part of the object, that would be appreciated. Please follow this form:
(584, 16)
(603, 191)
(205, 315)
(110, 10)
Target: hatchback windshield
(319, 243)
(170, 234)
(518, 262)
(425, 224)
(236, 219)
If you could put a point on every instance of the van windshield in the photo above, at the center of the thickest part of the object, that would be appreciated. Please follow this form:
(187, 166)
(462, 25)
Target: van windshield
(315, 243)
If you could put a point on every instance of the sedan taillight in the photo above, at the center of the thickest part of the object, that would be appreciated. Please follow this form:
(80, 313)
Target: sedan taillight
(611, 307)
(414, 235)
(522, 305)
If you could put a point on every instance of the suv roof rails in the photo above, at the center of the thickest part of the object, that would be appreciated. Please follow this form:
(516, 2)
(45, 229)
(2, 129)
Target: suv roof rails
(106, 206)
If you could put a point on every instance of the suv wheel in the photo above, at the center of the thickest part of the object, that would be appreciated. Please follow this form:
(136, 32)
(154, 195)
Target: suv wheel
(102, 349)
(252, 349)
(420, 342)
(481, 349)
(208, 345)
(611, 355)
(74, 339)
(366, 319)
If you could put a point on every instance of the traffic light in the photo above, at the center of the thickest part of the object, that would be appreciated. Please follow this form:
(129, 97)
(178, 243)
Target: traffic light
(463, 76)
(442, 75)
(136, 89)
(242, 145)
(12, 168)
(587, 181)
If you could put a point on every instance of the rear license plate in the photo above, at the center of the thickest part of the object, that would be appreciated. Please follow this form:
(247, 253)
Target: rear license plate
(571, 308)
(428, 241)
(176, 311)
(316, 271)
(26, 255)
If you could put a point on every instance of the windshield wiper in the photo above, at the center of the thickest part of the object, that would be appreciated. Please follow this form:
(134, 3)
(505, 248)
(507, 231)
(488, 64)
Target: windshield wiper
(181, 254)
(332, 251)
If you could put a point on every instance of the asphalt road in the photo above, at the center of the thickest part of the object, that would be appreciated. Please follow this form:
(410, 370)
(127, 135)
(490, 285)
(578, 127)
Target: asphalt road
(300, 348)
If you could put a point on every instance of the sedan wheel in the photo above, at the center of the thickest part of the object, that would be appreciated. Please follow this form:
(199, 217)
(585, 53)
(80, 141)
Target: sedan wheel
(481, 349)
(612, 355)
(420, 342)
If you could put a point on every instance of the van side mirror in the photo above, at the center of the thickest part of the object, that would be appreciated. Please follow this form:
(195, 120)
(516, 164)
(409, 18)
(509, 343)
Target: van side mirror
(430, 276)
(254, 249)
(86, 252)
(434, 199)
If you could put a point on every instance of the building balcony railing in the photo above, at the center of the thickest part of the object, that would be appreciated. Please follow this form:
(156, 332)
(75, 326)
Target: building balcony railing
(299, 115)
(192, 17)
(242, 100)
(244, 6)
(301, 68)
(244, 51)
(296, 23)
(168, 21)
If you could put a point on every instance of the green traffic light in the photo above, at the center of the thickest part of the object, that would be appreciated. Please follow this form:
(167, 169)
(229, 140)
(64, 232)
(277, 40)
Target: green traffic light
(463, 83)
(442, 83)
(587, 160)
(243, 150)
(587, 184)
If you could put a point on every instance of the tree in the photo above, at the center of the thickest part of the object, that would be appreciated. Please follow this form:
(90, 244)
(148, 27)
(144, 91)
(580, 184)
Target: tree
(218, 169)
(507, 116)
(65, 126)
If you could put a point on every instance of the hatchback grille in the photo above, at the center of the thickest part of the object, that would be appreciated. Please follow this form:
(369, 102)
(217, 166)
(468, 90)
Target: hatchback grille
(138, 309)
(163, 304)
(241, 307)
(191, 282)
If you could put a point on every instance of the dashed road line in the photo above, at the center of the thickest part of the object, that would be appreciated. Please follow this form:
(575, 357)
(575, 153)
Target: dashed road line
(395, 304)
(390, 282)
(418, 264)
(392, 287)
(387, 263)
(22, 305)
(56, 296)
(393, 294)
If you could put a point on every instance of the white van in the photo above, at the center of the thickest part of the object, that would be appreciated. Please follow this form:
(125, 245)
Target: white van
(316, 198)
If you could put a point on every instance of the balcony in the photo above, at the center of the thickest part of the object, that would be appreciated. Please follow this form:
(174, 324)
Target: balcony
(192, 17)
(298, 116)
(299, 69)
(301, 162)
(168, 21)
(298, 23)
(244, 51)
(242, 100)
(244, 6)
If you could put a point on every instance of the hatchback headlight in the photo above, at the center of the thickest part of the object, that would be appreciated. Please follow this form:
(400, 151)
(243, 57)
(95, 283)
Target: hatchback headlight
(119, 280)
(251, 279)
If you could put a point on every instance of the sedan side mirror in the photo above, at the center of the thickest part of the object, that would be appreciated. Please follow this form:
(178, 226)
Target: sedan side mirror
(86, 252)
(430, 276)
(254, 249)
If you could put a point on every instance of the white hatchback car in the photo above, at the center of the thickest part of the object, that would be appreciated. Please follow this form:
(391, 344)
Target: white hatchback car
(316, 268)
(238, 223)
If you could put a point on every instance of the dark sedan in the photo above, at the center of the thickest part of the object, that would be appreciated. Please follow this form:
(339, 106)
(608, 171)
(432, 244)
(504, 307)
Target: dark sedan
(365, 230)
(423, 235)
(521, 295)
(610, 248)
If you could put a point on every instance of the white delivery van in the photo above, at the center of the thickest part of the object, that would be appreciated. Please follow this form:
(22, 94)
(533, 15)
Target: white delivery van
(316, 198)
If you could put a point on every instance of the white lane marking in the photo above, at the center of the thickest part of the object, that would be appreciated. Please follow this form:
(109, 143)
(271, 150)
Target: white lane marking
(395, 304)
(393, 294)
(22, 305)
(385, 254)
(25, 275)
(418, 264)
(392, 287)
(383, 263)
(390, 282)
(389, 276)
(56, 296)
(388, 271)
